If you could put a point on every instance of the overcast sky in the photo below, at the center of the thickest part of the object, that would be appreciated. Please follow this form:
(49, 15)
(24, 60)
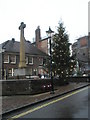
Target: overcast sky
(45, 13)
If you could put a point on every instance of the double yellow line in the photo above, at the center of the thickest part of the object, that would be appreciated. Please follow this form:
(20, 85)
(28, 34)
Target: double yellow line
(46, 104)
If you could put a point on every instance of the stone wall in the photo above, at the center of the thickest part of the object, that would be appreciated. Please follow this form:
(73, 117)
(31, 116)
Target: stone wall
(22, 87)
(31, 86)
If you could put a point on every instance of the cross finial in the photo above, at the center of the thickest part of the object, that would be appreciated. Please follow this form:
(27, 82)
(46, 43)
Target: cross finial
(22, 26)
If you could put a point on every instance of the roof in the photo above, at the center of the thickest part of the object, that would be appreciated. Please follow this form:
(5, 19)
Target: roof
(82, 37)
(14, 46)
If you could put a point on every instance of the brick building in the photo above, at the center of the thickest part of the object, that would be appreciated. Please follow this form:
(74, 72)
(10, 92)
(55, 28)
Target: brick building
(40, 43)
(9, 58)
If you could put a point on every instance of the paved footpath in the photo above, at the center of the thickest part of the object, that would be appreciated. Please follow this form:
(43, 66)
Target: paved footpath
(13, 102)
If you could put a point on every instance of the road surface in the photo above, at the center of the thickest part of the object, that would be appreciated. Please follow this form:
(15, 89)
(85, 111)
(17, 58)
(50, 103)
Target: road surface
(72, 105)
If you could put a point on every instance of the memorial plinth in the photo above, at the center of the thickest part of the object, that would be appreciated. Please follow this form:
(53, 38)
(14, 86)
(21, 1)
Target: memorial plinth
(21, 72)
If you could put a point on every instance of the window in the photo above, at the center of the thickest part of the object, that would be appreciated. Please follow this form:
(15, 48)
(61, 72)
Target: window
(30, 60)
(12, 59)
(6, 58)
(41, 61)
(44, 61)
(10, 72)
(31, 71)
(26, 60)
(35, 71)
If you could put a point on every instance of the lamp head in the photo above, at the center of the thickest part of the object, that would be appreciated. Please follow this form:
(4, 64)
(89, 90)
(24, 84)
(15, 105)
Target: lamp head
(49, 32)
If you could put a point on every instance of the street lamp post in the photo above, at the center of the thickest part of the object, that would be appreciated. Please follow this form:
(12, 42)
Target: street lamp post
(49, 32)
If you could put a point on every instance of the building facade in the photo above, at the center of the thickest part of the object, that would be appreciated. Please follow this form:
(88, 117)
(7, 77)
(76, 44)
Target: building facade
(10, 58)
(81, 50)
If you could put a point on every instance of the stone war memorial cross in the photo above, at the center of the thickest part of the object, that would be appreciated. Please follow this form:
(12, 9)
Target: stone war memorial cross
(22, 70)
(22, 63)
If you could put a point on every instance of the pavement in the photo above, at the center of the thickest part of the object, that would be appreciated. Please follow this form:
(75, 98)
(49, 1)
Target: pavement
(10, 103)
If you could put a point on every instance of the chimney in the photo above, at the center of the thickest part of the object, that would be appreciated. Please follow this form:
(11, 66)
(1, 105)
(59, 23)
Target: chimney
(37, 36)
(13, 40)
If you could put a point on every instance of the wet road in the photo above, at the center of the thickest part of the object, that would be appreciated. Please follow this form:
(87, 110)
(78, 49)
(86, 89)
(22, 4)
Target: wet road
(72, 105)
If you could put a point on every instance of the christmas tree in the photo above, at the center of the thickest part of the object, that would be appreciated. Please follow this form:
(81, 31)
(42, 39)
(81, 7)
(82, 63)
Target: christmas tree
(63, 63)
